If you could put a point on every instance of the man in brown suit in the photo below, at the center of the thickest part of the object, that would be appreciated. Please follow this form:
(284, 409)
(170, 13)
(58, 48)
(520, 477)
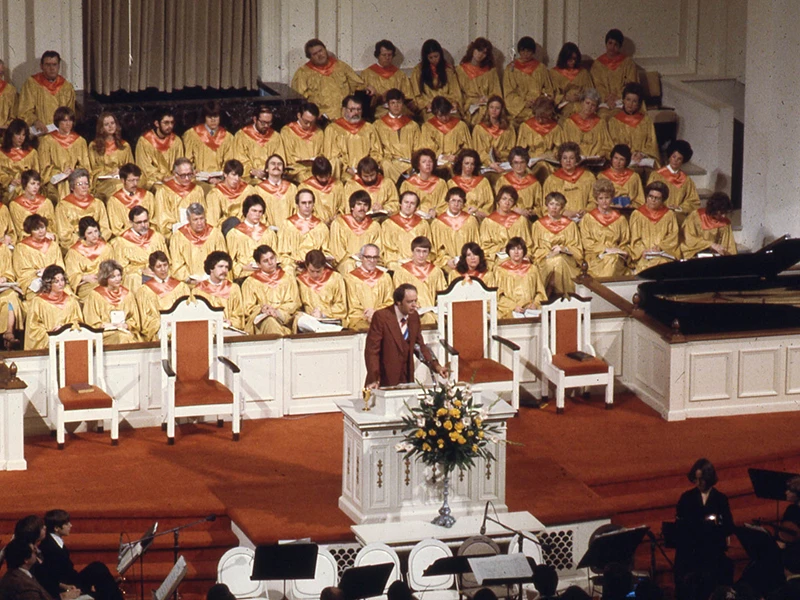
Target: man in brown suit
(393, 334)
(18, 583)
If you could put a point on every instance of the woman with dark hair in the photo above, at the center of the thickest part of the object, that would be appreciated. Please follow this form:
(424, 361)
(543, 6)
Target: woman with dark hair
(613, 70)
(444, 133)
(503, 224)
(33, 253)
(328, 191)
(30, 202)
(633, 127)
(112, 307)
(226, 198)
(627, 183)
(84, 257)
(683, 196)
(430, 189)
(107, 153)
(219, 291)
(51, 308)
(556, 247)
(525, 80)
(248, 235)
(704, 521)
(472, 264)
(383, 76)
(478, 79)
(587, 129)
(569, 79)
(574, 182)
(519, 285)
(467, 176)
(709, 228)
(61, 152)
(494, 136)
(17, 154)
(433, 77)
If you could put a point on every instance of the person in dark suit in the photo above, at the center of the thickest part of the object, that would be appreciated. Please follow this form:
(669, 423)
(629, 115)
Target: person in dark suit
(18, 583)
(791, 567)
(57, 573)
(394, 333)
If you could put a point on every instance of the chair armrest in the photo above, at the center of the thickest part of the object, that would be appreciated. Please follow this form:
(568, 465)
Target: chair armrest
(507, 343)
(167, 368)
(448, 348)
(229, 363)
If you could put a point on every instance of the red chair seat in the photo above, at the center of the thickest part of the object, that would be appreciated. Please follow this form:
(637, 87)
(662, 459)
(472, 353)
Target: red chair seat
(73, 400)
(570, 366)
(483, 370)
(203, 391)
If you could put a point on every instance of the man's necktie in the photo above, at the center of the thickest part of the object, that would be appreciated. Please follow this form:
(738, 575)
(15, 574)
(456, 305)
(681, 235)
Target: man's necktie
(404, 327)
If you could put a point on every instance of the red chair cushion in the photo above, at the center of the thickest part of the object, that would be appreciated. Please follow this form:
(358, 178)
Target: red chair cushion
(468, 323)
(206, 391)
(570, 366)
(483, 370)
(73, 400)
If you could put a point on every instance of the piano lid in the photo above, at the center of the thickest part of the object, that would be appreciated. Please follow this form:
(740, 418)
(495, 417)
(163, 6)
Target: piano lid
(768, 262)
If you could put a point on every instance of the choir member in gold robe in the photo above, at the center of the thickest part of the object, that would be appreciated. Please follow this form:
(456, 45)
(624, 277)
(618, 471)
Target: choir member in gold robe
(159, 292)
(225, 199)
(303, 141)
(382, 191)
(519, 284)
(605, 235)
(17, 154)
(270, 295)
(587, 129)
(220, 291)
(33, 253)
(542, 135)
(107, 153)
(328, 191)
(11, 312)
(574, 182)
(247, 235)
(278, 193)
(158, 149)
(444, 132)
(9, 98)
(325, 80)
(627, 183)
(323, 294)
(133, 248)
(467, 176)
(472, 264)
(709, 229)
(112, 307)
(208, 145)
(399, 136)
(557, 249)
(423, 275)
(350, 138)
(433, 77)
(79, 203)
(683, 196)
(301, 233)
(83, 259)
(8, 235)
(478, 79)
(177, 193)
(51, 308)
(654, 230)
(350, 232)
(130, 195)
(633, 127)
(503, 224)
(399, 230)
(494, 137)
(529, 190)
(384, 76)
(524, 80)
(61, 152)
(256, 142)
(612, 70)
(44, 92)
(452, 229)
(569, 79)
(191, 244)
(369, 288)
(28, 203)
(430, 189)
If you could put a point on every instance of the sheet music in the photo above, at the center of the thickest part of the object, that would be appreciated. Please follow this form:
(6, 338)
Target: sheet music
(509, 567)
(129, 555)
(173, 580)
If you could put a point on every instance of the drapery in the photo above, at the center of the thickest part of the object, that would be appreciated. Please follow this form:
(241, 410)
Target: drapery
(133, 45)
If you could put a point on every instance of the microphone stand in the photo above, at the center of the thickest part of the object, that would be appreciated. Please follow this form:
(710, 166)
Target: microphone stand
(521, 537)
(653, 545)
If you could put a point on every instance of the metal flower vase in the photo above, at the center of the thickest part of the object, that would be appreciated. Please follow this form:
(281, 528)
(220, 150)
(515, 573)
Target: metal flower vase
(445, 518)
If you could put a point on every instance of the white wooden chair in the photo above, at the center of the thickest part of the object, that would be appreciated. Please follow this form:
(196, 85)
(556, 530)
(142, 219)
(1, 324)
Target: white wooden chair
(468, 338)
(431, 587)
(194, 366)
(327, 574)
(77, 382)
(566, 329)
(234, 570)
(376, 554)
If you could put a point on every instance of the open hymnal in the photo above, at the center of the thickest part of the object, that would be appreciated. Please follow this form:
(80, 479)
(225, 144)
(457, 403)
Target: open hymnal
(49, 129)
(108, 177)
(58, 178)
(206, 175)
(529, 313)
(650, 254)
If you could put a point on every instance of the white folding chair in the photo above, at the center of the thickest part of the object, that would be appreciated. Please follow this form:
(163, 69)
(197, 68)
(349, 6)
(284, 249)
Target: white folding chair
(376, 554)
(327, 574)
(432, 587)
(234, 570)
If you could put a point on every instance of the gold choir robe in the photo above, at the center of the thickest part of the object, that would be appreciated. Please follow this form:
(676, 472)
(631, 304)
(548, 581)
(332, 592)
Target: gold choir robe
(348, 236)
(326, 86)
(565, 80)
(120, 204)
(132, 251)
(151, 298)
(611, 74)
(486, 277)
(188, 250)
(253, 148)
(445, 138)
(57, 153)
(12, 164)
(39, 98)
(9, 299)
(682, 191)
(383, 80)
(449, 234)
(366, 290)
(279, 200)
(637, 131)
(478, 189)
(30, 257)
(423, 94)
(540, 138)
(497, 229)
(329, 198)
(97, 311)
(492, 140)
(21, 208)
(278, 290)
(223, 202)
(518, 286)
(296, 236)
(700, 230)
(627, 183)
(476, 82)
(528, 188)
(170, 199)
(432, 192)
(105, 164)
(9, 100)
(522, 83)
(397, 233)
(7, 225)
(383, 193)
(590, 134)
(557, 272)
(48, 312)
(428, 279)
(345, 143)
(653, 229)
(227, 296)
(207, 152)
(577, 188)
(301, 148)
(242, 241)
(329, 294)
(83, 260)
(598, 232)
(155, 157)
(70, 210)
(399, 138)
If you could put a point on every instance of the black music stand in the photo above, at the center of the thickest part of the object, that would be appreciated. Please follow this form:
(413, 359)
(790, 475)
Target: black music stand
(764, 572)
(770, 485)
(614, 547)
(282, 562)
(365, 582)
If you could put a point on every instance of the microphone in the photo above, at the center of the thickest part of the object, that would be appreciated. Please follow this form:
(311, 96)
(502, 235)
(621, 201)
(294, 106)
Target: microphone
(211, 517)
(485, 514)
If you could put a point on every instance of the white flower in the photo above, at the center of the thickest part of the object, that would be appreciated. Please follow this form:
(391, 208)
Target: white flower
(404, 447)
(421, 422)
(438, 423)
(467, 421)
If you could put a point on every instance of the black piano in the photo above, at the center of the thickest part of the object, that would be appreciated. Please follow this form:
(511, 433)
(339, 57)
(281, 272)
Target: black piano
(726, 293)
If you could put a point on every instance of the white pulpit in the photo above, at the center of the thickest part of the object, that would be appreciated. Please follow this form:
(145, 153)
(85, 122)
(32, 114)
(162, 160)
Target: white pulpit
(379, 484)
(12, 410)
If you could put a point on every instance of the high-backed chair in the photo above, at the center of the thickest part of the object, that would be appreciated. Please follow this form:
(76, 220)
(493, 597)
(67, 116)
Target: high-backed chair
(566, 329)
(376, 554)
(194, 366)
(77, 383)
(327, 574)
(468, 338)
(430, 587)
(478, 545)
(234, 570)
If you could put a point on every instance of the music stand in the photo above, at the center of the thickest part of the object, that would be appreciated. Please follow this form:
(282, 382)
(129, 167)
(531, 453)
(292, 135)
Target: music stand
(764, 570)
(451, 565)
(613, 547)
(770, 485)
(365, 582)
(282, 562)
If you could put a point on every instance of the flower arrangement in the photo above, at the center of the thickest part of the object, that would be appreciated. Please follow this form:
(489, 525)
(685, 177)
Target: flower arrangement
(448, 428)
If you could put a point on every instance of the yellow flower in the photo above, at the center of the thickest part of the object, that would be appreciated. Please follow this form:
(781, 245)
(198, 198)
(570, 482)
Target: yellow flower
(426, 447)
(440, 443)
(478, 421)
(448, 425)
(441, 412)
(420, 433)
(470, 433)
(474, 447)
(431, 432)
(480, 434)
(459, 426)
(454, 436)
(462, 440)
(457, 403)
(455, 413)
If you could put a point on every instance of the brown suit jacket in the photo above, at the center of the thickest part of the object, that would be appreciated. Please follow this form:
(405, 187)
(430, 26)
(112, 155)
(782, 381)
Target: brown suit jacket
(390, 358)
(16, 585)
